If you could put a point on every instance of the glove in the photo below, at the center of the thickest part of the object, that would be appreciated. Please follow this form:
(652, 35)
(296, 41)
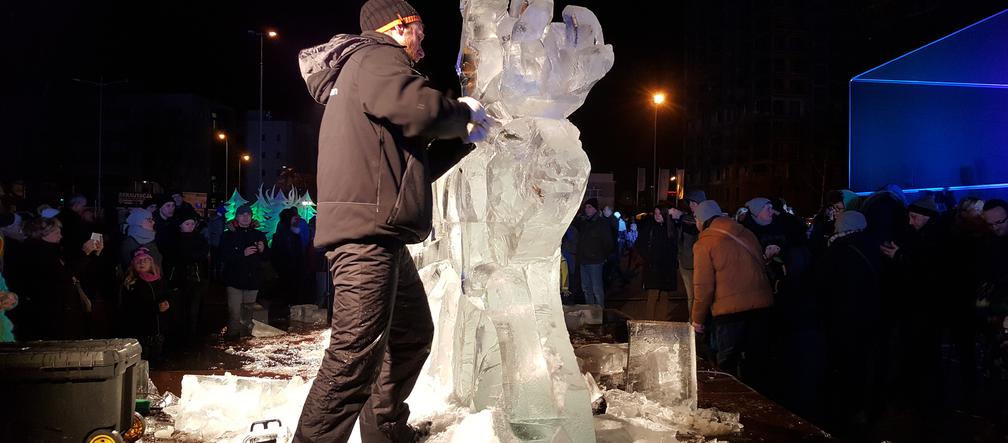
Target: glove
(477, 113)
(477, 133)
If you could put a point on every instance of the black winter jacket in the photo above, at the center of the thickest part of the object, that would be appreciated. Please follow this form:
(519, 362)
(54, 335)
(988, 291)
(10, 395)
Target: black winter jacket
(595, 240)
(241, 271)
(374, 170)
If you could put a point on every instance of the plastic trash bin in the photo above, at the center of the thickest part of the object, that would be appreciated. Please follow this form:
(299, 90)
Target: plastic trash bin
(68, 391)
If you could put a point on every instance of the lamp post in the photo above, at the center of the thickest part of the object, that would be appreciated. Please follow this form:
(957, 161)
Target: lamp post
(262, 35)
(245, 158)
(223, 136)
(100, 84)
(657, 99)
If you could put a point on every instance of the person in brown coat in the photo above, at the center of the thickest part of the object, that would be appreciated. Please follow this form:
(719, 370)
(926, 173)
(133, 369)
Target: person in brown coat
(729, 281)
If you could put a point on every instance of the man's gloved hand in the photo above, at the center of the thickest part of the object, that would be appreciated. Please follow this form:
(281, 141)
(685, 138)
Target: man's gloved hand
(477, 113)
(477, 133)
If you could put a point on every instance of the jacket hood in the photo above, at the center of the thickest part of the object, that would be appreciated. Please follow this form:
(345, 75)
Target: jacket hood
(321, 65)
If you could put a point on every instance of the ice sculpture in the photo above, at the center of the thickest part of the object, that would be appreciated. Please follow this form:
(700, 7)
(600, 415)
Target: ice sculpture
(662, 362)
(500, 215)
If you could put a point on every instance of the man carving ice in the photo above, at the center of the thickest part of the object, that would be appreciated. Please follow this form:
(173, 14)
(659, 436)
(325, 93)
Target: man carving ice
(375, 168)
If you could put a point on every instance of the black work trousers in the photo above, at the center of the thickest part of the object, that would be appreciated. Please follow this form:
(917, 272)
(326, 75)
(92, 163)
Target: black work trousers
(381, 336)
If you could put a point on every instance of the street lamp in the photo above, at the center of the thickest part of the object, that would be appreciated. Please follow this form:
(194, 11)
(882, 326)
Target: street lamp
(222, 136)
(245, 158)
(100, 84)
(262, 35)
(657, 99)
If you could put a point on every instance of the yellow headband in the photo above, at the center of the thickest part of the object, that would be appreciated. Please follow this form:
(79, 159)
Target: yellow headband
(399, 21)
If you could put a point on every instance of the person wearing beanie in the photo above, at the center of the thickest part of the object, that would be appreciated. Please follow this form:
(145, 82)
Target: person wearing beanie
(921, 211)
(377, 107)
(145, 302)
(686, 233)
(919, 260)
(848, 290)
(760, 210)
(243, 250)
(139, 234)
(729, 282)
(165, 225)
(594, 244)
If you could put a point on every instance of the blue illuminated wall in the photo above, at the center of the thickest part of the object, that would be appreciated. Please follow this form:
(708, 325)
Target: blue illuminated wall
(936, 117)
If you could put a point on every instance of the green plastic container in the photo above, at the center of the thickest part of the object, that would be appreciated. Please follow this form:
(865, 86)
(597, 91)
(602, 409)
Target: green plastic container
(63, 391)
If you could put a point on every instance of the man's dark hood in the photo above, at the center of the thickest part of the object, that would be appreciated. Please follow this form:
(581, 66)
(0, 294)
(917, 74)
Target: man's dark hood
(320, 65)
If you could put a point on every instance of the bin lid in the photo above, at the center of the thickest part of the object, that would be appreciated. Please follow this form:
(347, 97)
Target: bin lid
(69, 354)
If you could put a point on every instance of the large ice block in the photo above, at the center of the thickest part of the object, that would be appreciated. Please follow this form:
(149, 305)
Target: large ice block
(501, 212)
(662, 362)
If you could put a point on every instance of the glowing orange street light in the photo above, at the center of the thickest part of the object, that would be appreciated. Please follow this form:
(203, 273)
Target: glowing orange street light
(246, 157)
(657, 98)
(221, 136)
(271, 34)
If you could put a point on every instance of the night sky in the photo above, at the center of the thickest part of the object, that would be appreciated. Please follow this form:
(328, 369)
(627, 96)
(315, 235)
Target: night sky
(204, 48)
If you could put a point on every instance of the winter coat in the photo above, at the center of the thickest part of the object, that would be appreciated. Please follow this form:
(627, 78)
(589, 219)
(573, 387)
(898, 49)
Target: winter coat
(595, 240)
(289, 257)
(49, 306)
(374, 165)
(141, 313)
(188, 259)
(242, 271)
(848, 278)
(657, 246)
(686, 234)
(728, 277)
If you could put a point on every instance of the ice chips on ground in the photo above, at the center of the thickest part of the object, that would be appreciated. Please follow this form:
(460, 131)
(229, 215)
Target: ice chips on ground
(260, 330)
(289, 354)
(705, 422)
(216, 408)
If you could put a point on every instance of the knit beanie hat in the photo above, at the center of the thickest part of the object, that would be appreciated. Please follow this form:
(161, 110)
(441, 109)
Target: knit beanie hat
(850, 221)
(382, 15)
(756, 205)
(186, 214)
(925, 206)
(706, 210)
(50, 212)
(164, 199)
(593, 202)
(243, 209)
(137, 216)
(696, 196)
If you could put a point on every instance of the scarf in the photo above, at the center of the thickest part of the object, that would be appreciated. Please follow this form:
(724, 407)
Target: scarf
(150, 277)
(141, 235)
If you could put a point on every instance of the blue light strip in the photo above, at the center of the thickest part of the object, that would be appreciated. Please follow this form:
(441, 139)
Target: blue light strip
(931, 83)
(858, 77)
(947, 188)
